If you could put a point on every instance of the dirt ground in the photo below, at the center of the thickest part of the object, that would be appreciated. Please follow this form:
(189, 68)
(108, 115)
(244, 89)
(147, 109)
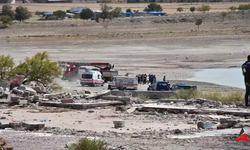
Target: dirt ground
(169, 8)
(153, 45)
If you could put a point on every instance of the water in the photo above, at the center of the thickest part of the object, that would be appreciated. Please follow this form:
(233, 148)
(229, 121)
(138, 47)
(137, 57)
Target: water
(230, 77)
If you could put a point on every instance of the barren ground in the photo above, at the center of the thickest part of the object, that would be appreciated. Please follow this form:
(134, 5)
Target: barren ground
(162, 48)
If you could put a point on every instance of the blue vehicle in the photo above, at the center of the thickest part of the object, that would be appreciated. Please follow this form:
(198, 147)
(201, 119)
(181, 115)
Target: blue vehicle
(183, 87)
(159, 86)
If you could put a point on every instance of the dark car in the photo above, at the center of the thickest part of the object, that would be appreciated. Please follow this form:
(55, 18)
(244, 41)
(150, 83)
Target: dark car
(159, 86)
(183, 87)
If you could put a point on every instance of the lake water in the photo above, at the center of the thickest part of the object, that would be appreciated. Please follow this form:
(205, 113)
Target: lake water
(230, 77)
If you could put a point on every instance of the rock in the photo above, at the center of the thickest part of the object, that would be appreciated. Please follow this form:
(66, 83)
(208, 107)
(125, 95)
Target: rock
(222, 126)
(178, 131)
(119, 123)
(206, 125)
(238, 126)
(136, 136)
(91, 111)
(120, 108)
(200, 125)
(190, 122)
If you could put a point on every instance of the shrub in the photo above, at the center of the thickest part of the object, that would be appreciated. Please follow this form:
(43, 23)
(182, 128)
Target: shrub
(187, 94)
(128, 10)
(59, 14)
(5, 20)
(153, 7)
(143, 97)
(86, 144)
(232, 8)
(225, 98)
(86, 14)
(116, 12)
(7, 11)
(204, 8)
(244, 7)
(22, 13)
(192, 9)
(179, 9)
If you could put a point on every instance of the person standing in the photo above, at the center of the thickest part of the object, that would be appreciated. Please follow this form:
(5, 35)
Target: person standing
(246, 74)
(164, 78)
(147, 80)
(154, 78)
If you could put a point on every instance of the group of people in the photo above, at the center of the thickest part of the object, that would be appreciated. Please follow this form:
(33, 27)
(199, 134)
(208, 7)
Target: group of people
(146, 79)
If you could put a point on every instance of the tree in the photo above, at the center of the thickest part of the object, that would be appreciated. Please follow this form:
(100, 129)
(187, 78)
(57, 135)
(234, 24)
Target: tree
(153, 7)
(7, 71)
(223, 15)
(105, 11)
(86, 14)
(232, 8)
(116, 12)
(128, 10)
(59, 14)
(179, 9)
(7, 11)
(5, 20)
(22, 13)
(39, 69)
(76, 16)
(204, 8)
(198, 22)
(192, 9)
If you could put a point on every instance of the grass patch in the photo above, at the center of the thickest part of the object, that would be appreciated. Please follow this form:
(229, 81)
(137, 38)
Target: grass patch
(143, 97)
(225, 98)
(86, 144)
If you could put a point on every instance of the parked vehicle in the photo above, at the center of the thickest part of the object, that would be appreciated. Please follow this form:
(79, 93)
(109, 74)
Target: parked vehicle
(70, 70)
(123, 83)
(159, 86)
(90, 77)
(183, 87)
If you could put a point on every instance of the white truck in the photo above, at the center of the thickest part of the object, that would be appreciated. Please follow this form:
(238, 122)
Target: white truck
(123, 83)
(90, 77)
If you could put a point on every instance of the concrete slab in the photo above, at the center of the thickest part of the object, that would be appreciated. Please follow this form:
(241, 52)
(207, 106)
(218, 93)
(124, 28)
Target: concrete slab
(212, 133)
(223, 111)
(150, 94)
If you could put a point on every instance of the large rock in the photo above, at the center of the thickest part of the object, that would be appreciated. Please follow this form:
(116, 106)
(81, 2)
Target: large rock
(119, 123)
(206, 125)
(229, 122)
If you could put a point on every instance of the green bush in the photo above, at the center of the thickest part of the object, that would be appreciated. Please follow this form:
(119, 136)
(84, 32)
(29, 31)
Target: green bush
(187, 94)
(192, 9)
(225, 98)
(86, 144)
(153, 7)
(143, 97)
(232, 8)
(204, 8)
(244, 7)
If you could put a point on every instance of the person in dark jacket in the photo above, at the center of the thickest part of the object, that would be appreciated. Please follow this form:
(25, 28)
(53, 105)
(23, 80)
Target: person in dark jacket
(246, 74)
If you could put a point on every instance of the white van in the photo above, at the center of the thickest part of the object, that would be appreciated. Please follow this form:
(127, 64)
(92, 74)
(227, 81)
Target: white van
(123, 83)
(90, 77)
